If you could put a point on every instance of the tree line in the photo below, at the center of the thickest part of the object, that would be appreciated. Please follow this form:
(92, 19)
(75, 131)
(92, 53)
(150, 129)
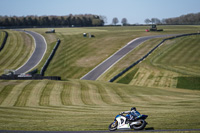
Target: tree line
(189, 19)
(45, 21)
(192, 18)
(124, 21)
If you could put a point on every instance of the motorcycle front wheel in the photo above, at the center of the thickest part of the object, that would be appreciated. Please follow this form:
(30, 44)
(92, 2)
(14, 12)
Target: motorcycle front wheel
(140, 126)
(112, 126)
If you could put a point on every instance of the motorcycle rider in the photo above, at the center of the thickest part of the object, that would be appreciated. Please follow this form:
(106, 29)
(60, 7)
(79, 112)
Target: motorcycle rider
(131, 115)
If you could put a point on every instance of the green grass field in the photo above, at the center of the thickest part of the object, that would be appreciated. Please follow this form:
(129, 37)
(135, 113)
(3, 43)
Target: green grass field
(175, 58)
(92, 105)
(77, 55)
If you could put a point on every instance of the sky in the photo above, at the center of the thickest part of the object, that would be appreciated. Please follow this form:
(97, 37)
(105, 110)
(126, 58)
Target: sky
(135, 11)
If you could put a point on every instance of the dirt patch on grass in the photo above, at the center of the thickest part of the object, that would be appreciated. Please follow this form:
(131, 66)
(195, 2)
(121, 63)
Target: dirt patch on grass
(89, 61)
(50, 38)
(146, 76)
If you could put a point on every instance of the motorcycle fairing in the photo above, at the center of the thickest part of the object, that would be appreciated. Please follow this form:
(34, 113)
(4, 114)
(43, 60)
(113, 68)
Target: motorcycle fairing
(122, 123)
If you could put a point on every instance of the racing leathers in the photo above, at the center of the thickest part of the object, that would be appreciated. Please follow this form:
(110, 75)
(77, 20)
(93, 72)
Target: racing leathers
(131, 115)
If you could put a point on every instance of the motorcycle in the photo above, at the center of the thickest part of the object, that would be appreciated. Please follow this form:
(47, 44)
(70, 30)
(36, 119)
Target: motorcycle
(122, 122)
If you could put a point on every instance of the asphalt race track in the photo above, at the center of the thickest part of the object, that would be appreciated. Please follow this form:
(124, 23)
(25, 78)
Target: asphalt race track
(104, 66)
(40, 49)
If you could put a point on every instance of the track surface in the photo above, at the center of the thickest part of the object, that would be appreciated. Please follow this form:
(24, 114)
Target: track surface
(104, 66)
(40, 49)
(167, 130)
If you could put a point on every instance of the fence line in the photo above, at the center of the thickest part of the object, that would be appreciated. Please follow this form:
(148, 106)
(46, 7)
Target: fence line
(32, 77)
(141, 59)
(50, 58)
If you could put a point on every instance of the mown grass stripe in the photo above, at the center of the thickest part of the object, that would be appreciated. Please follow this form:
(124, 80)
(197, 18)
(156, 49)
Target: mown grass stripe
(23, 97)
(16, 51)
(124, 98)
(55, 96)
(36, 92)
(104, 94)
(65, 95)
(180, 56)
(26, 51)
(116, 97)
(4, 83)
(8, 49)
(45, 96)
(75, 94)
(5, 92)
(13, 94)
(95, 96)
(58, 63)
(85, 95)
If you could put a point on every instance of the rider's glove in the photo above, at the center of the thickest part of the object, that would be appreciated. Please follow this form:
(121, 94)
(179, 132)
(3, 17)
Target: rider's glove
(121, 113)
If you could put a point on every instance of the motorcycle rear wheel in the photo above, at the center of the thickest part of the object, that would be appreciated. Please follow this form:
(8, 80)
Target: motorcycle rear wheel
(140, 127)
(112, 127)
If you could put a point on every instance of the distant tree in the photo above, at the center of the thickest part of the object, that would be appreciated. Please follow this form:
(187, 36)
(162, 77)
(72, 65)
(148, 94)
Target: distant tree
(103, 18)
(12, 21)
(124, 21)
(155, 21)
(29, 21)
(115, 21)
(6, 22)
(96, 22)
(147, 21)
(185, 19)
(163, 21)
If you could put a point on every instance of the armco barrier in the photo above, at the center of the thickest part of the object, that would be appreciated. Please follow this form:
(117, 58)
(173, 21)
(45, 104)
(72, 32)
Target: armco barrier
(4, 40)
(141, 59)
(34, 77)
(50, 58)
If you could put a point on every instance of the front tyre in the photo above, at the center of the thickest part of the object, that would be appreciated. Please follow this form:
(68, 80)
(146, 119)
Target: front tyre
(140, 126)
(113, 126)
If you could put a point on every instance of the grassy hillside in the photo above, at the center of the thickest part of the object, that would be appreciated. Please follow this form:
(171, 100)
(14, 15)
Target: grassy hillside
(77, 55)
(182, 55)
(175, 58)
(90, 105)
(74, 104)
(18, 48)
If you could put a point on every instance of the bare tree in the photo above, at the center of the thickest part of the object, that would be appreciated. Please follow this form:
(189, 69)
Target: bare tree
(104, 18)
(147, 21)
(124, 21)
(155, 21)
(115, 21)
